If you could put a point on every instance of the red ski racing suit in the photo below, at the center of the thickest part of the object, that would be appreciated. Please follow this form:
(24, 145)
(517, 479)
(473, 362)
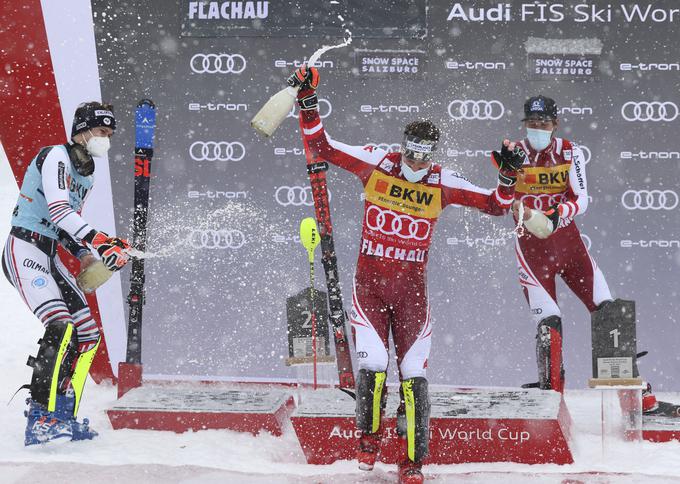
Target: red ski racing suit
(555, 176)
(390, 290)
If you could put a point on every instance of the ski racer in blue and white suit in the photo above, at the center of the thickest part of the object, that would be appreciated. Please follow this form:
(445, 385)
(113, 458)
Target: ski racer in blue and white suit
(55, 186)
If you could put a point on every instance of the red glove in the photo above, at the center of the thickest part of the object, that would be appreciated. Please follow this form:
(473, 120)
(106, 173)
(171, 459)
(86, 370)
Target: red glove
(307, 79)
(111, 250)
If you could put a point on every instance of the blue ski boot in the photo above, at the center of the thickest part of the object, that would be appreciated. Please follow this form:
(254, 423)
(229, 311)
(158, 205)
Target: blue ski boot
(43, 426)
(64, 412)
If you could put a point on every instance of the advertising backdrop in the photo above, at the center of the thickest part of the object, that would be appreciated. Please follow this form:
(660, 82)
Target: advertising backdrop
(226, 204)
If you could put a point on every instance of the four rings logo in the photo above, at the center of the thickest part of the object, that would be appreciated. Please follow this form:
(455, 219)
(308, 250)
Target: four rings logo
(401, 225)
(544, 201)
(650, 111)
(389, 147)
(649, 199)
(295, 195)
(217, 151)
(218, 63)
(217, 239)
(325, 109)
(469, 109)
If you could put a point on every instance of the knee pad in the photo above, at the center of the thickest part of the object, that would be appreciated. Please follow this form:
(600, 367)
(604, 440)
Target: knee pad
(417, 410)
(371, 396)
(53, 366)
(549, 354)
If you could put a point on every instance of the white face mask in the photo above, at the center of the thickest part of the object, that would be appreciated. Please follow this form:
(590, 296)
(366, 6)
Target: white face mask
(539, 138)
(98, 145)
(413, 176)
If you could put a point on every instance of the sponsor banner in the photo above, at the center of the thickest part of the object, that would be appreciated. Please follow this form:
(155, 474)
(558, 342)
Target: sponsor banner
(476, 242)
(199, 107)
(649, 67)
(562, 67)
(649, 155)
(649, 199)
(216, 195)
(650, 111)
(651, 244)
(290, 18)
(470, 65)
(401, 64)
(574, 12)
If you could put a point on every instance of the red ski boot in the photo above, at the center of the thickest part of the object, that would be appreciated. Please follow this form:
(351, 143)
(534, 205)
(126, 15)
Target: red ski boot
(649, 403)
(410, 472)
(369, 448)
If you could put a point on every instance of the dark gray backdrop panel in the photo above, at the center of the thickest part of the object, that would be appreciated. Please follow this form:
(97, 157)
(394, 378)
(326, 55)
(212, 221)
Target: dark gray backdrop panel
(221, 312)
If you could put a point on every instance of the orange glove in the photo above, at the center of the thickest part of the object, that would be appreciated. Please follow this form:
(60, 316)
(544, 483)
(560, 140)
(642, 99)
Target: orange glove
(307, 79)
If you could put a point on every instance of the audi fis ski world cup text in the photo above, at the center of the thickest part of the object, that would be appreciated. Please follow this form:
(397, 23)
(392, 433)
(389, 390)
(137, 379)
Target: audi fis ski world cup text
(502, 434)
(559, 12)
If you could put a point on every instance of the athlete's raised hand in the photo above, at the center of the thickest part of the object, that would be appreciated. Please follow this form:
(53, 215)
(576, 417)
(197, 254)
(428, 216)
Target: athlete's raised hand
(307, 79)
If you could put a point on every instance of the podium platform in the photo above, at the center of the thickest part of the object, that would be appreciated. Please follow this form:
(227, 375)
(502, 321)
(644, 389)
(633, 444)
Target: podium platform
(179, 407)
(660, 428)
(467, 425)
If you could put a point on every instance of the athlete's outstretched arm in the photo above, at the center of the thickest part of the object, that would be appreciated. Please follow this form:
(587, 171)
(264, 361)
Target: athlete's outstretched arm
(458, 190)
(360, 160)
(55, 177)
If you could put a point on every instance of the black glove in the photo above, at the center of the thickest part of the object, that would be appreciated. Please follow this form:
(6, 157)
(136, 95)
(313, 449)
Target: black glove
(508, 162)
(307, 79)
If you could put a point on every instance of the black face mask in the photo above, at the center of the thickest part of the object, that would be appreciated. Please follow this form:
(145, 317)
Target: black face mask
(81, 159)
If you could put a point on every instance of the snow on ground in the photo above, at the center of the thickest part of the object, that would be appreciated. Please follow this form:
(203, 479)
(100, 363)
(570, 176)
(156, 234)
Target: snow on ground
(223, 456)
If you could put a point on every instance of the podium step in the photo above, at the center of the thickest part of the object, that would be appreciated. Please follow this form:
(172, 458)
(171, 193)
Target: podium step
(180, 407)
(660, 428)
(466, 425)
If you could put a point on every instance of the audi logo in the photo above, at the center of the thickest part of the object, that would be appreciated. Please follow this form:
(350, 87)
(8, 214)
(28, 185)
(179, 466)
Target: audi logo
(649, 199)
(586, 154)
(586, 241)
(217, 239)
(650, 111)
(401, 225)
(468, 109)
(389, 147)
(544, 201)
(295, 195)
(217, 151)
(218, 63)
(325, 109)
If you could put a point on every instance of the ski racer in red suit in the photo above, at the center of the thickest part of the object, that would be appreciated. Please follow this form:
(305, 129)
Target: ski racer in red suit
(553, 180)
(405, 194)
